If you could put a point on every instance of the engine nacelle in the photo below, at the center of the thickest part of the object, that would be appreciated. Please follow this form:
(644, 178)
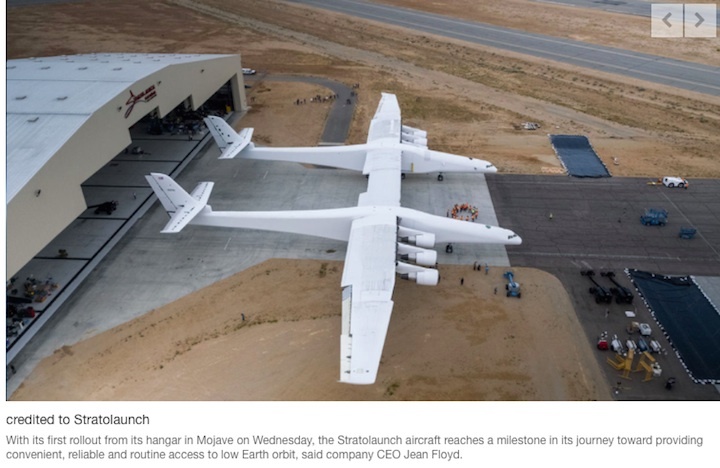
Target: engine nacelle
(412, 143)
(426, 257)
(414, 131)
(426, 277)
(413, 140)
(416, 254)
(418, 238)
(421, 275)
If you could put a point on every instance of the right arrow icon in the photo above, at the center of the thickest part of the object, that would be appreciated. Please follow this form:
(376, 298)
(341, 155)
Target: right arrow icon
(700, 20)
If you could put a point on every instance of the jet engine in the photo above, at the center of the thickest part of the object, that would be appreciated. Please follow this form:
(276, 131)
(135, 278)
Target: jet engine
(422, 276)
(416, 254)
(418, 238)
(414, 131)
(414, 140)
(414, 136)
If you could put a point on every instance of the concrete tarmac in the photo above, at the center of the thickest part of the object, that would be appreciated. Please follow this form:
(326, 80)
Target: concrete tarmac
(596, 223)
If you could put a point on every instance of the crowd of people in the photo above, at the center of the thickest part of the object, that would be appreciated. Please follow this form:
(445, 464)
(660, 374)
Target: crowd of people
(317, 98)
(464, 212)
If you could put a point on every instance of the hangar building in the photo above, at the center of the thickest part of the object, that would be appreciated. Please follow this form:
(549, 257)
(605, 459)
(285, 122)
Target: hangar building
(70, 123)
(68, 116)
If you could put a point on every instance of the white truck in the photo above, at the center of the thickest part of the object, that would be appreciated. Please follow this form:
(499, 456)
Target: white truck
(675, 182)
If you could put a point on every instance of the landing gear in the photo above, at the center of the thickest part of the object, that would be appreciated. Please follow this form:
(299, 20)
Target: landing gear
(402, 176)
(449, 248)
(440, 177)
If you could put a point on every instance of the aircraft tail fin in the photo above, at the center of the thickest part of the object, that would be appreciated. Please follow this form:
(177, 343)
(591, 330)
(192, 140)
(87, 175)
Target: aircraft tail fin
(230, 142)
(180, 205)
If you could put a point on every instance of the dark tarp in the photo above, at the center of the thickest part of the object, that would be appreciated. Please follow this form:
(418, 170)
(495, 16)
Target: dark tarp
(689, 320)
(577, 156)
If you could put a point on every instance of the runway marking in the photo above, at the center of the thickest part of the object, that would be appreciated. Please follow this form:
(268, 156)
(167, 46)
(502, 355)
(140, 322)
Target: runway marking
(266, 173)
(585, 255)
(227, 243)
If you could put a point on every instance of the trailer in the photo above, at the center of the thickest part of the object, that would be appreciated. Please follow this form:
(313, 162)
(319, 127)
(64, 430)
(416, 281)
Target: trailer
(602, 295)
(622, 294)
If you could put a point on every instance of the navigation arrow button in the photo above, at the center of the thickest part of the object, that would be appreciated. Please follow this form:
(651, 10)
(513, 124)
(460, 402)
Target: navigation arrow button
(665, 20)
(700, 20)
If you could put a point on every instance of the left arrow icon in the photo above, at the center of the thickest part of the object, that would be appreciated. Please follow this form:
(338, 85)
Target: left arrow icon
(665, 20)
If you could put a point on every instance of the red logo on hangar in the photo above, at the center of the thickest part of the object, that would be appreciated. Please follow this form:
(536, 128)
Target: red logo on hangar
(145, 96)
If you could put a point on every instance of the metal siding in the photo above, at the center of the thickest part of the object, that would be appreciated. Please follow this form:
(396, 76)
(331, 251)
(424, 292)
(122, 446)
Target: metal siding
(69, 94)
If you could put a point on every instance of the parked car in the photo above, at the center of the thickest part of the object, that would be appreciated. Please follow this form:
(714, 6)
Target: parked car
(675, 182)
(248, 71)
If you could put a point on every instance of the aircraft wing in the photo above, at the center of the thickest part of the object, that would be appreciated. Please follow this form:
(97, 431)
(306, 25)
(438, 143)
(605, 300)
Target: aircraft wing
(368, 281)
(386, 123)
(383, 168)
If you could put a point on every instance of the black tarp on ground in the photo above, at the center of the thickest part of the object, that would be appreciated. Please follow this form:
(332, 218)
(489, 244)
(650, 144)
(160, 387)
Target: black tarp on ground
(577, 156)
(687, 317)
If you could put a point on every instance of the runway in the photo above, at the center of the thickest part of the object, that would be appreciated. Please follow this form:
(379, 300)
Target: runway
(685, 75)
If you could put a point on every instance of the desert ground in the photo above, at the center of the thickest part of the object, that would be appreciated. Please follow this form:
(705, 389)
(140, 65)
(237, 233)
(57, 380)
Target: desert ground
(451, 342)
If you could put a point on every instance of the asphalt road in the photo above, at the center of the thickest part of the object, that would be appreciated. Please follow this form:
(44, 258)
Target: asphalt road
(628, 7)
(686, 75)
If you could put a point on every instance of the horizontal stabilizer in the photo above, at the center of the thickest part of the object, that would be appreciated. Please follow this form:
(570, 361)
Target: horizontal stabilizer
(230, 142)
(180, 205)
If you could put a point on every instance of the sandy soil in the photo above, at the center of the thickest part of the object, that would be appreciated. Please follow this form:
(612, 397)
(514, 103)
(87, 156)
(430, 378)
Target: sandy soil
(444, 343)
(450, 342)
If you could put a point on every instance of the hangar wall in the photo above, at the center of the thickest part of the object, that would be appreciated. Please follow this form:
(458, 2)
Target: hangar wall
(53, 197)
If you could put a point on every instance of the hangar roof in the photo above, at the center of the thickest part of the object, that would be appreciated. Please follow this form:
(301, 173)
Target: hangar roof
(50, 98)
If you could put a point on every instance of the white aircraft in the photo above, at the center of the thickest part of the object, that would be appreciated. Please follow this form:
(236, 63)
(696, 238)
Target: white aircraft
(384, 239)
(386, 132)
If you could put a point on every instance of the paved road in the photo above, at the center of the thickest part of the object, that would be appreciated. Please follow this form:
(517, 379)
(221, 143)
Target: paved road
(686, 75)
(628, 7)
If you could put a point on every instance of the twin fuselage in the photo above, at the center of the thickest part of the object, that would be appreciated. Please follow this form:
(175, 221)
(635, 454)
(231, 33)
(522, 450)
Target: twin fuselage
(415, 159)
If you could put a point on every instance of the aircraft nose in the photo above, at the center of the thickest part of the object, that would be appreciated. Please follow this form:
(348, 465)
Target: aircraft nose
(514, 239)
